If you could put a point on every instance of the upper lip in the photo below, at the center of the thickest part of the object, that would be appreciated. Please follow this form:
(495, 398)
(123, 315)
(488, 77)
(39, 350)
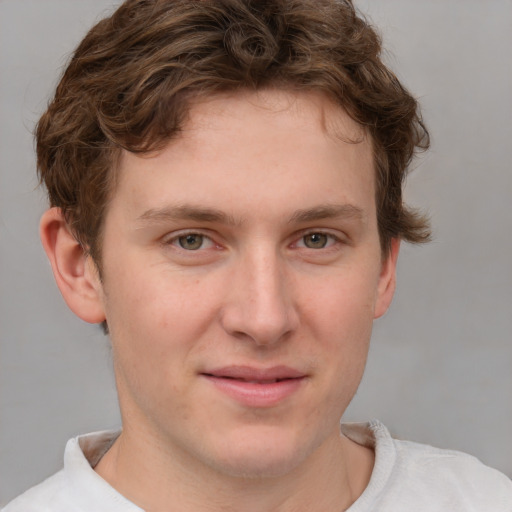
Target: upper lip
(249, 373)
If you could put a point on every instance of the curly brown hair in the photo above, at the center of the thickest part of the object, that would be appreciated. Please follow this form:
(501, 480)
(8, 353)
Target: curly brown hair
(132, 79)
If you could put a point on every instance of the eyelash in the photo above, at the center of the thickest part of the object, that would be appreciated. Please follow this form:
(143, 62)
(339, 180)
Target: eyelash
(331, 239)
(174, 241)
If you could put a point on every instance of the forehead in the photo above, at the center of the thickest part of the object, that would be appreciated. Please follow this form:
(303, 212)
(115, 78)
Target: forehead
(305, 111)
(273, 142)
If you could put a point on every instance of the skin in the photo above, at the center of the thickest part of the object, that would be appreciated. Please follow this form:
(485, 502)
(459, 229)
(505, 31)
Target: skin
(282, 266)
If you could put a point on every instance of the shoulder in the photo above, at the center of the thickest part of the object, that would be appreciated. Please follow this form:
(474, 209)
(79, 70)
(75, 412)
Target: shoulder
(448, 480)
(412, 476)
(455, 473)
(76, 488)
(48, 496)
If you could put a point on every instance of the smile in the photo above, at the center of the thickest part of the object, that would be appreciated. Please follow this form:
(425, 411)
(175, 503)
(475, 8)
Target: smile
(259, 388)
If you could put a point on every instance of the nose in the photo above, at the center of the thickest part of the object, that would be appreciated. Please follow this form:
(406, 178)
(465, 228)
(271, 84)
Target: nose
(260, 303)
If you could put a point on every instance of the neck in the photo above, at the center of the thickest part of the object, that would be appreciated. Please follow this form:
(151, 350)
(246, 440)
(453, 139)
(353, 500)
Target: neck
(155, 478)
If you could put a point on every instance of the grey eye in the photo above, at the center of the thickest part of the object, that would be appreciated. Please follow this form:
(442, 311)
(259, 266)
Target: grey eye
(315, 240)
(191, 242)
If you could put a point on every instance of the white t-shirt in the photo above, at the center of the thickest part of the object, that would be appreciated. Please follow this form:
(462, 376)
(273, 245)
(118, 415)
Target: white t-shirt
(407, 477)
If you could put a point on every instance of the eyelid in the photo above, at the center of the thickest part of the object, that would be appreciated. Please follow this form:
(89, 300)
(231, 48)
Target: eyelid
(171, 239)
(335, 237)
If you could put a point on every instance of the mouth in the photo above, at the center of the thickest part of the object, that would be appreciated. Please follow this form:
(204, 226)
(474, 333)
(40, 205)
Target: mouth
(256, 387)
(263, 381)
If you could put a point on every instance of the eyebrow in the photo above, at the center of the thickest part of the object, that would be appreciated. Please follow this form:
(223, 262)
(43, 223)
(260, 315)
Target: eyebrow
(328, 211)
(202, 214)
(186, 212)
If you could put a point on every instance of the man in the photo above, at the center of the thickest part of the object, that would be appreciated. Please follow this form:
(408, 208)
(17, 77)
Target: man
(225, 181)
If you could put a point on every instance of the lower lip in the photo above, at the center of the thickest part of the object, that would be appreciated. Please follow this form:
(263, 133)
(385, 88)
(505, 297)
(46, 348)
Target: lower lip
(253, 394)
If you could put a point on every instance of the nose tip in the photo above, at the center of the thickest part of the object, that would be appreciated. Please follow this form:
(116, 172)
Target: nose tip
(262, 330)
(260, 305)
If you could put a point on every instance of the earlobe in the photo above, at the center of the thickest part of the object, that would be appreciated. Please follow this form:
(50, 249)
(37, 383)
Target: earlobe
(387, 280)
(73, 269)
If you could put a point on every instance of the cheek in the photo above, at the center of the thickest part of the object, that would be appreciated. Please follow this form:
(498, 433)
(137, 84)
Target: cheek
(156, 317)
(343, 307)
(341, 321)
(347, 344)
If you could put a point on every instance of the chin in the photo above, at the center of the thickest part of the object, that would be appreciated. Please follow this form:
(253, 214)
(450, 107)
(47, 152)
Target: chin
(260, 457)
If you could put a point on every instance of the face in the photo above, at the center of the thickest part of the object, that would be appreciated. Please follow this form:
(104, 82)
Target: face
(242, 273)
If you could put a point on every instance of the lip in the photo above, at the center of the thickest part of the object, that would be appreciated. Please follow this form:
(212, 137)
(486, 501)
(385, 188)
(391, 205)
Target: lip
(256, 387)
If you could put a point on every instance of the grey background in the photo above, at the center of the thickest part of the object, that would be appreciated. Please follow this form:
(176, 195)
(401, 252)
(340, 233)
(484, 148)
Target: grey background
(439, 367)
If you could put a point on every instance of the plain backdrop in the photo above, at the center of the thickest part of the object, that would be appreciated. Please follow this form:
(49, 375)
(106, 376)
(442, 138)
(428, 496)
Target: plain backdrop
(439, 369)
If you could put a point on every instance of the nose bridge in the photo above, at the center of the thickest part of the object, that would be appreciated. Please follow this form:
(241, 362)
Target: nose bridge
(260, 305)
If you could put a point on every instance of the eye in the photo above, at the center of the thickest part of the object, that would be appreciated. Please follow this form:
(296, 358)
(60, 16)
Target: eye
(192, 241)
(317, 240)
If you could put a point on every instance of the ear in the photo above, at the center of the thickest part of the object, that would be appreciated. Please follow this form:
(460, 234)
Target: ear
(74, 271)
(387, 280)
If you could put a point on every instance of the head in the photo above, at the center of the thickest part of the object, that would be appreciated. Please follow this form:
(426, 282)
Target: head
(233, 169)
(132, 80)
